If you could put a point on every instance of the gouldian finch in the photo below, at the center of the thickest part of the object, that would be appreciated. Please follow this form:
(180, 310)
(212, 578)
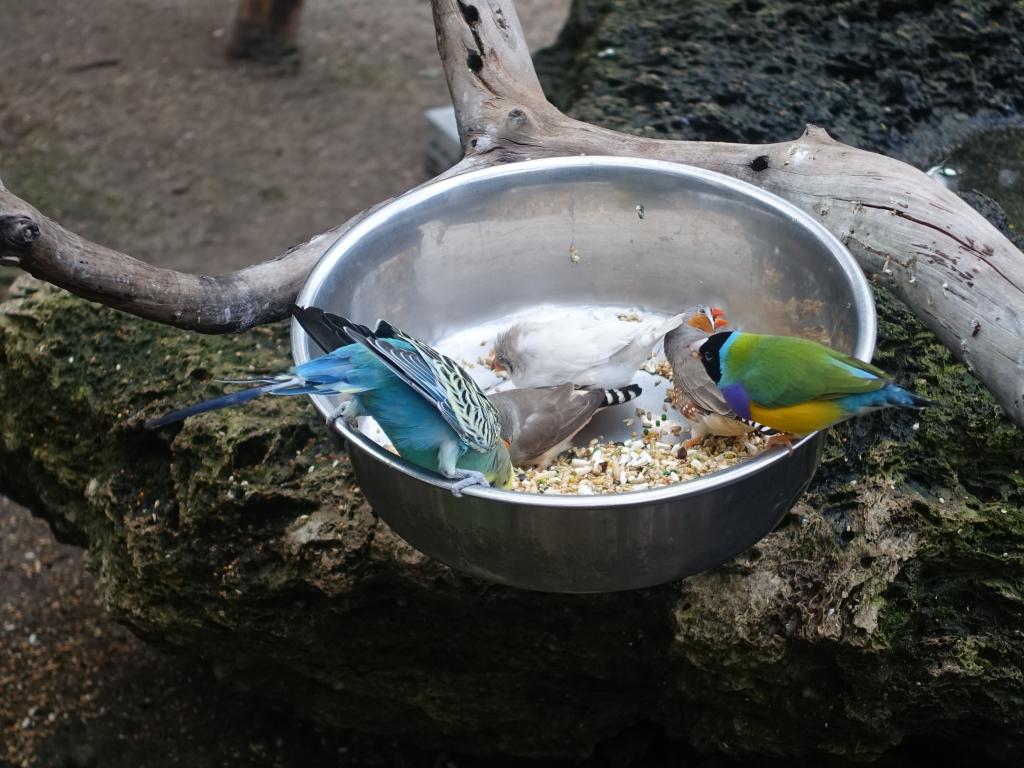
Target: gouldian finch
(433, 413)
(796, 386)
(578, 348)
(538, 423)
(695, 394)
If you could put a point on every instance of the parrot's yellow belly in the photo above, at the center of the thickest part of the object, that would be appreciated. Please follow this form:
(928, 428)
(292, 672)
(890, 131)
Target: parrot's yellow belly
(799, 419)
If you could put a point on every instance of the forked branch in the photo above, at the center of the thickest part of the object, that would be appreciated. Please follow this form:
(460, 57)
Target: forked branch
(953, 268)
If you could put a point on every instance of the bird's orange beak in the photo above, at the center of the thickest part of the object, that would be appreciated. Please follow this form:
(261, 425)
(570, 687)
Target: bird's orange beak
(718, 315)
(496, 366)
(709, 320)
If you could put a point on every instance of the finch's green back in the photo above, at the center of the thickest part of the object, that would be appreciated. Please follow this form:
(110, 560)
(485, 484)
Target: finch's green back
(766, 367)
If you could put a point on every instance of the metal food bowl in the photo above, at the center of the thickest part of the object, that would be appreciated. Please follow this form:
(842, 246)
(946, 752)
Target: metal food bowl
(464, 256)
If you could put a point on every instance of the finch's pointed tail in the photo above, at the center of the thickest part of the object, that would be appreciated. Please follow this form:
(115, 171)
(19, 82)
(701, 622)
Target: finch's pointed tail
(904, 398)
(891, 395)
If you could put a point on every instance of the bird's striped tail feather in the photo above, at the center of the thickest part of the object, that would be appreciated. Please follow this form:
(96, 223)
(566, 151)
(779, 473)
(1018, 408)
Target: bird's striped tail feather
(757, 426)
(621, 395)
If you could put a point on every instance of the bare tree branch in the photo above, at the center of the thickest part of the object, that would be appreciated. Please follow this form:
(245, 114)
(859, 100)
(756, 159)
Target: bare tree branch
(953, 268)
(232, 302)
(485, 57)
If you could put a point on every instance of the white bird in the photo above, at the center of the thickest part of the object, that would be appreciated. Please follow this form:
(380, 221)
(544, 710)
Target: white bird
(695, 394)
(578, 348)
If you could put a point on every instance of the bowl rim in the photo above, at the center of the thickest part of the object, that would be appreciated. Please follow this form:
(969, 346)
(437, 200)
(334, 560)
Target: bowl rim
(866, 330)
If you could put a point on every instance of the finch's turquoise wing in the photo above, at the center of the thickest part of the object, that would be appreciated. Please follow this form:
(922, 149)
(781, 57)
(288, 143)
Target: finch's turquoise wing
(439, 379)
(781, 371)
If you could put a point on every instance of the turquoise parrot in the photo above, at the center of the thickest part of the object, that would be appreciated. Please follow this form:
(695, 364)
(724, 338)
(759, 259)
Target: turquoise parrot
(794, 385)
(539, 423)
(433, 413)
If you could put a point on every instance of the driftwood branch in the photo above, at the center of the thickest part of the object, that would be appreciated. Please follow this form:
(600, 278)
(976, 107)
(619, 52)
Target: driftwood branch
(222, 304)
(953, 268)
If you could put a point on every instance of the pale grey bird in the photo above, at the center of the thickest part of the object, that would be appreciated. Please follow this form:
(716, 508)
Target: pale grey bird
(539, 423)
(695, 394)
(593, 353)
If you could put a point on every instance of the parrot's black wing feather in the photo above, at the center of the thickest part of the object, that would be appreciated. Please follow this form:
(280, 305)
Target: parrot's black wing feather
(322, 327)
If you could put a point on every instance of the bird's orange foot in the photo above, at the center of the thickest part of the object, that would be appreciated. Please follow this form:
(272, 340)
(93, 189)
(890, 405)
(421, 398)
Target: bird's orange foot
(782, 438)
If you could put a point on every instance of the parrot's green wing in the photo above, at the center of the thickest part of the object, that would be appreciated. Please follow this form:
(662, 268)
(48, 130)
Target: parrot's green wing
(439, 379)
(780, 371)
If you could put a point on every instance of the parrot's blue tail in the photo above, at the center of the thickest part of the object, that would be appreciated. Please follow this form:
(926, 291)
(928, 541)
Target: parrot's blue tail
(280, 385)
(234, 398)
(343, 371)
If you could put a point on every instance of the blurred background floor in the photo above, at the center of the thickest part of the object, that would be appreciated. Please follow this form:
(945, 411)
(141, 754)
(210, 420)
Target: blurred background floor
(125, 122)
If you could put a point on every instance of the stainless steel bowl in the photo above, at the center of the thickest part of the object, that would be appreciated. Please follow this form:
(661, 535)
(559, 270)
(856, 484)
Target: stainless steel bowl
(478, 248)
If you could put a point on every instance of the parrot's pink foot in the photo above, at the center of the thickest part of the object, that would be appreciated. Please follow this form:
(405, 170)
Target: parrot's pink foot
(467, 477)
(782, 438)
(693, 442)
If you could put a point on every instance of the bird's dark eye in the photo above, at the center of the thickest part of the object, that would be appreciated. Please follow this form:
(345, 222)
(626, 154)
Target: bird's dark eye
(709, 356)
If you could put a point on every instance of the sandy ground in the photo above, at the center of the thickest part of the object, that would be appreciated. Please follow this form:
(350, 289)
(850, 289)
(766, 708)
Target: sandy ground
(128, 116)
(124, 121)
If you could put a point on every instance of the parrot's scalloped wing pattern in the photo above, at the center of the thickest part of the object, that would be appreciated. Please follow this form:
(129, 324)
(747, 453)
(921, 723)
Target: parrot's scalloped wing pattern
(442, 381)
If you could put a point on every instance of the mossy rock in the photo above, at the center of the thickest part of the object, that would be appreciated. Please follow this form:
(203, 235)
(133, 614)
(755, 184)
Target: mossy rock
(889, 602)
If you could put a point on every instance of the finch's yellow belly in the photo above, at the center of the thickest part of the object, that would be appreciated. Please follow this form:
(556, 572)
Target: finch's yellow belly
(799, 419)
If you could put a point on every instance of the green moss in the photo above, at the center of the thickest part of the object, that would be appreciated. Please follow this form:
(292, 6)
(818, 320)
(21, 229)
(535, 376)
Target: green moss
(887, 604)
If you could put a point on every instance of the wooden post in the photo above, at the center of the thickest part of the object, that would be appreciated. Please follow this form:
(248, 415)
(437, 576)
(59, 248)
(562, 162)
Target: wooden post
(266, 30)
